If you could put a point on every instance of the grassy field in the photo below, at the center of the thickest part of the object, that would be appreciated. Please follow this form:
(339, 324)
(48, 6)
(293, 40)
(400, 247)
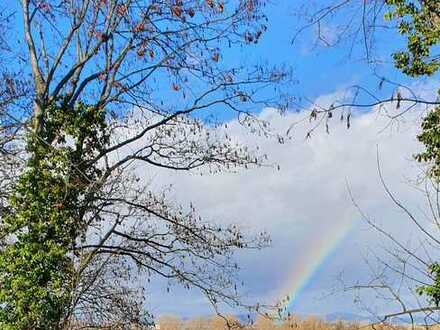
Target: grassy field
(296, 323)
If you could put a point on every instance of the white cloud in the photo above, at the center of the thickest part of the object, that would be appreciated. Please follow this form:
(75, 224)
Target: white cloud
(303, 203)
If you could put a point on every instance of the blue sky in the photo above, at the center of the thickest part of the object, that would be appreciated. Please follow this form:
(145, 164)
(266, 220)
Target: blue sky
(320, 69)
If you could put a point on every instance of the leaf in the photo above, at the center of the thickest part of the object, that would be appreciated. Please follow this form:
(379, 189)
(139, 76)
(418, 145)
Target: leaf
(176, 11)
(250, 5)
(221, 7)
(140, 27)
(313, 115)
(381, 83)
(191, 12)
(44, 6)
(121, 10)
(210, 3)
(215, 57)
(140, 52)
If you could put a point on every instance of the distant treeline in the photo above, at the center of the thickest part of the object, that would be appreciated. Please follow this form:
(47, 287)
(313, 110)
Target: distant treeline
(262, 323)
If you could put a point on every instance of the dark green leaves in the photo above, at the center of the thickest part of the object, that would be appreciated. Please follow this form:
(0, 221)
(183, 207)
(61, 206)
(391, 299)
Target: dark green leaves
(36, 270)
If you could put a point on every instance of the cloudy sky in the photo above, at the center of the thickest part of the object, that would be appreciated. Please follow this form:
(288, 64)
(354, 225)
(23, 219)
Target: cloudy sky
(318, 234)
(306, 207)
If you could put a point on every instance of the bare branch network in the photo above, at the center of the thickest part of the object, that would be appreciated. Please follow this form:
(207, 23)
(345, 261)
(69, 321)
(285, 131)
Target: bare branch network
(157, 72)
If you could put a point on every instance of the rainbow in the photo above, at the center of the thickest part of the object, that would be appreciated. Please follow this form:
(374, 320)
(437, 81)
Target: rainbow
(316, 252)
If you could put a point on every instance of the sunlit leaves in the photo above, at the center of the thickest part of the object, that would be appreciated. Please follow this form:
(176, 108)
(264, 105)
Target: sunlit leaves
(420, 23)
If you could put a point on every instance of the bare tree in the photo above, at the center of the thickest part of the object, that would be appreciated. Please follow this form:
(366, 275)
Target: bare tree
(14, 89)
(117, 86)
(361, 28)
(402, 269)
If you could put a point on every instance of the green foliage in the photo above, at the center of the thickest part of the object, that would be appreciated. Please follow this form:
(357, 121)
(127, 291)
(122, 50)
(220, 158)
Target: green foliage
(430, 137)
(46, 218)
(420, 23)
(432, 291)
